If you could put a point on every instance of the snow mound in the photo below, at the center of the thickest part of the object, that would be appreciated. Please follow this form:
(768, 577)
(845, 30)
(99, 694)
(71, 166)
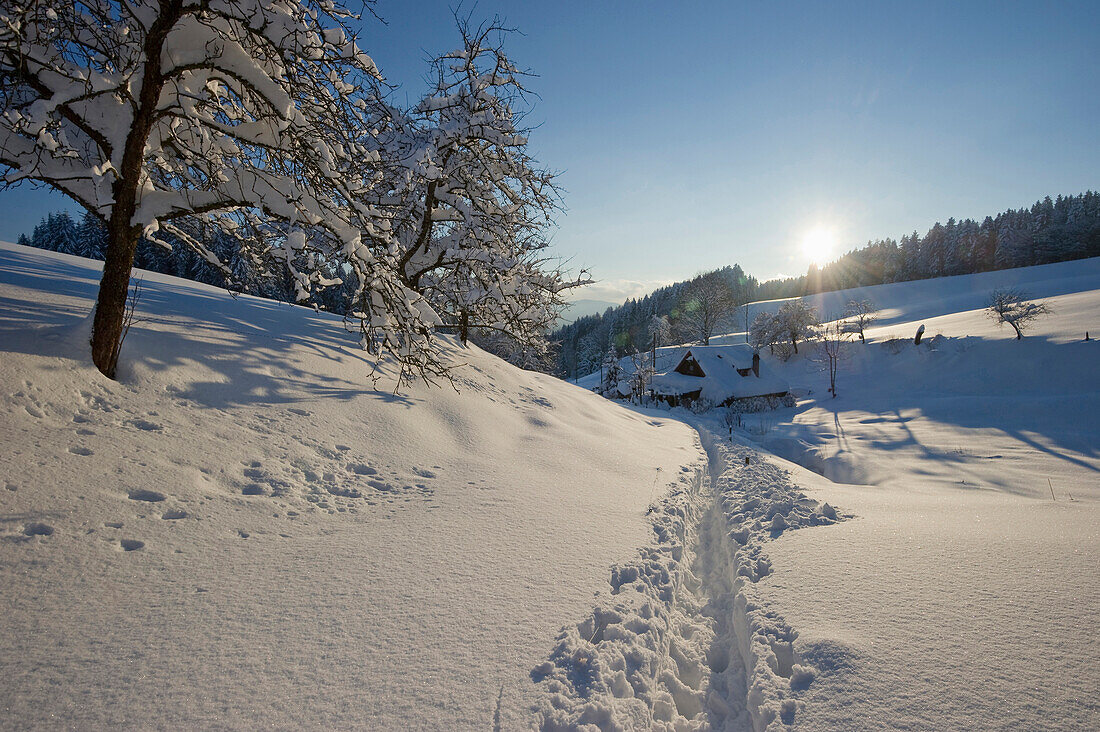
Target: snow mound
(245, 530)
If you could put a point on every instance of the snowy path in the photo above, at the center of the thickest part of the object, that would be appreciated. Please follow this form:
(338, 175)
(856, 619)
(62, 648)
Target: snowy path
(684, 641)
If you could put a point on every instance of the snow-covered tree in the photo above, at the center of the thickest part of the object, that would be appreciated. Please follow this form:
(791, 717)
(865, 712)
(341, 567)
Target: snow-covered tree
(1012, 306)
(612, 373)
(643, 373)
(860, 313)
(707, 307)
(255, 115)
(764, 332)
(659, 331)
(796, 321)
(471, 208)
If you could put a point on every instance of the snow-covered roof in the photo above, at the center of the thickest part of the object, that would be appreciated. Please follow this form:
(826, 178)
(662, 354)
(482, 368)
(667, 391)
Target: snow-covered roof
(718, 359)
(722, 380)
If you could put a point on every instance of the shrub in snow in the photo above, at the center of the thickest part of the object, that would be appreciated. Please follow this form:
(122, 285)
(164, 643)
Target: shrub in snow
(894, 346)
(701, 405)
(762, 404)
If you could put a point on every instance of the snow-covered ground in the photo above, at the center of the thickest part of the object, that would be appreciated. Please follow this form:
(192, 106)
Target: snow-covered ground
(244, 531)
(966, 595)
(962, 595)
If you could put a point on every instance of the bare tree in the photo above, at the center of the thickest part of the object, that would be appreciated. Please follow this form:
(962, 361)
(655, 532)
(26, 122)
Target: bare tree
(860, 314)
(643, 373)
(707, 307)
(1010, 305)
(830, 350)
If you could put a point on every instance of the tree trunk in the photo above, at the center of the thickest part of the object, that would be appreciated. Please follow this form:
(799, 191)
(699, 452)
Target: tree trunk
(122, 235)
(110, 308)
(464, 327)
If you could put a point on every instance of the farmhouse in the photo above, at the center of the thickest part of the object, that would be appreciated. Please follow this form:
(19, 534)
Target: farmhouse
(720, 374)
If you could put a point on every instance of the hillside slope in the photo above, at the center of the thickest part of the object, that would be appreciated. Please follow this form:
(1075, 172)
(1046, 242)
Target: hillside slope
(965, 593)
(243, 531)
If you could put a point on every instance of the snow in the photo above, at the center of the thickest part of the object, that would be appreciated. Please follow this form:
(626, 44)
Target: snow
(956, 592)
(964, 595)
(245, 531)
(176, 551)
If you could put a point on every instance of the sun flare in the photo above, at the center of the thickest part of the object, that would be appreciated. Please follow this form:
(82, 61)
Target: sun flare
(818, 245)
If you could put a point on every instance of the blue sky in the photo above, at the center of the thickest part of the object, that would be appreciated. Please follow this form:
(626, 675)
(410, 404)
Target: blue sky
(697, 134)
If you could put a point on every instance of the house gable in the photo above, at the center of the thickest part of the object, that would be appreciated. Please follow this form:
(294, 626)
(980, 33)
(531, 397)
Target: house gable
(688, 366)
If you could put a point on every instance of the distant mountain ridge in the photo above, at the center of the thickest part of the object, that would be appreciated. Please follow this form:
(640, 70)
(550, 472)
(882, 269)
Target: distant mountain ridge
(581, 308)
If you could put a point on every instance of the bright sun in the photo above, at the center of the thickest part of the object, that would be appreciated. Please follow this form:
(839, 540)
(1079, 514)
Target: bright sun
(818, 245)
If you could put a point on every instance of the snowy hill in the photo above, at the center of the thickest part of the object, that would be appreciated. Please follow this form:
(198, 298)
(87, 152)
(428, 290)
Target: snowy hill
(245, 531)
(964, 595)
(242, 530)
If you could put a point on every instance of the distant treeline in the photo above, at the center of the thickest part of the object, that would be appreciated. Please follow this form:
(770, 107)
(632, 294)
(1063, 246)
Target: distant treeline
(244, 272)
(1057, 230)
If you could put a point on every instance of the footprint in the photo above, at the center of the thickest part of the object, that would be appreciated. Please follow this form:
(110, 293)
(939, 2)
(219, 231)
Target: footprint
(423, 473)
(242, 534)
(143, 424)
(77, 450)
(113, 524)
(361, 469)
(131, 545)
(174, 514)
(252, 489)
(85, 432)
(144, 495)
(299, 412)
(37, 529)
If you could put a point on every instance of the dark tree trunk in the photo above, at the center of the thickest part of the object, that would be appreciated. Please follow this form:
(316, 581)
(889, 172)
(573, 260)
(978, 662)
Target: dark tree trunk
(464, 327)
(110, 309)
(122, 235)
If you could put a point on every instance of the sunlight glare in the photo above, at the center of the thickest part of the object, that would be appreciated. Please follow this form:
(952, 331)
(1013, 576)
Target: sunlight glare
(818, 245)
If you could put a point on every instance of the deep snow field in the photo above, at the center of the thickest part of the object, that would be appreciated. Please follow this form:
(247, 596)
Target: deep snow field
(245, 531)
(966, 596)
(175, 551)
